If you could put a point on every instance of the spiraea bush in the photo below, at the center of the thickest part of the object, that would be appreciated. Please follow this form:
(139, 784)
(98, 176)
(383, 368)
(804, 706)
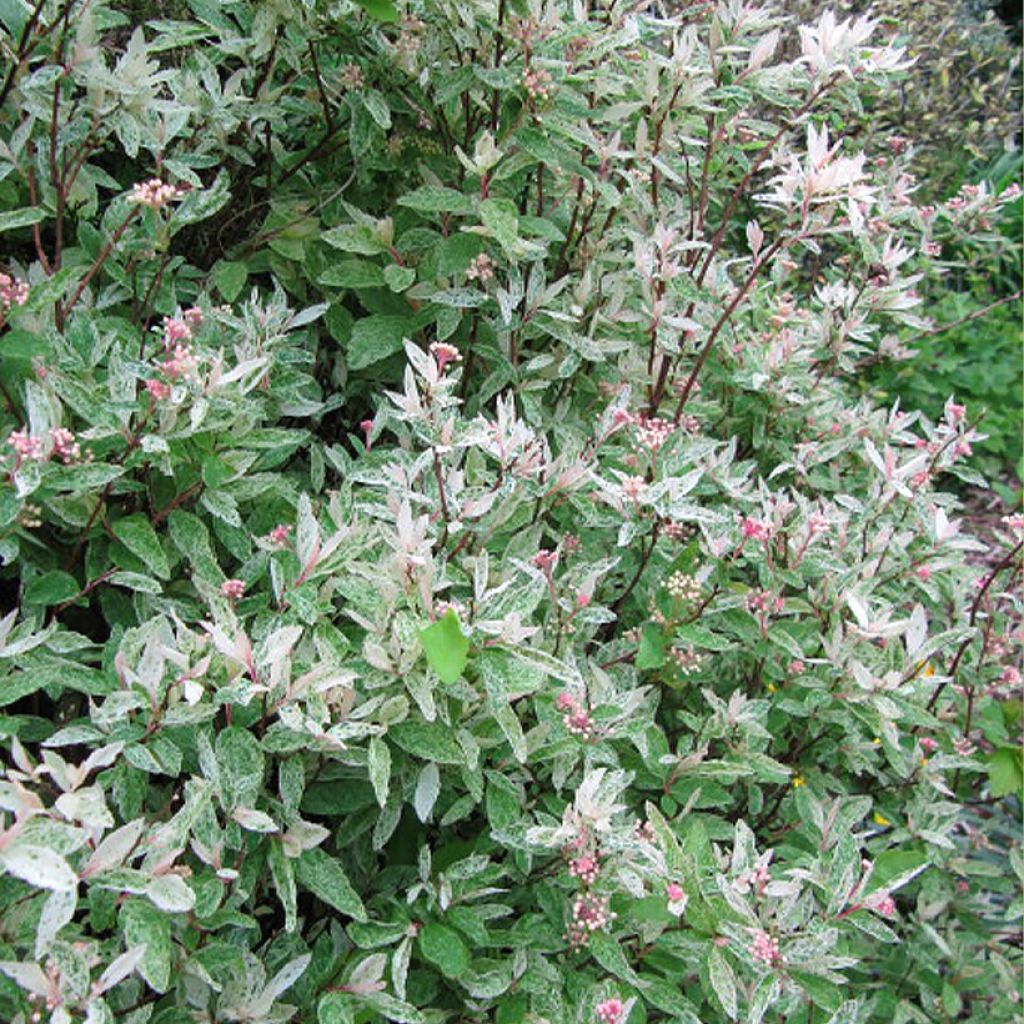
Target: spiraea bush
(450, 573)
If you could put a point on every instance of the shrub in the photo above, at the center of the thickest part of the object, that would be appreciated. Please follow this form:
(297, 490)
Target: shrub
(451, 573)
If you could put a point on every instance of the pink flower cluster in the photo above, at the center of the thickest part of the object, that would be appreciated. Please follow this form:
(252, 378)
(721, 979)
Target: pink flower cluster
(755, 529)
(633, 488)
(765, 948)
(575, 717)
(537, 83)
(764, 602)
(279, 535)
(12, 292)
(590, 913)
(481, 268)
(29, 447)
(610, 1011)
(155, 193)
(180, 359)
(586, 868)
(687, 660)
(682, 586)
(232, 589)
(64, 445)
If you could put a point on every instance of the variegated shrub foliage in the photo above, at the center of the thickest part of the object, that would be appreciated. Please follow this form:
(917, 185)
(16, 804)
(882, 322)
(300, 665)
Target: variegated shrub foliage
(449, 575)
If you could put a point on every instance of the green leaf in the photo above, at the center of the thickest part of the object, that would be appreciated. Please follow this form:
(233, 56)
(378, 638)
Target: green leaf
(651, 653)
(431, 741)
(666, 997)
(230, 276)
(607, 951)
(144, 925)
(137, 581)
(320, 873)
(394, 1009)
(192, 539)
(282, 870)
(444, 947)
(334, 1008)
(437, 199)
(378, 760)
(21, 218)
(375, 338)
(136, 533)
(377, 107)
(39, 866)
(241, 765)
(502, 218)
(353, 274)
(382, 10)
(52, 588)
(446, 647)
(357, 238)
(1004, 771)
(723, 981)
(399, 278)
(826, 994)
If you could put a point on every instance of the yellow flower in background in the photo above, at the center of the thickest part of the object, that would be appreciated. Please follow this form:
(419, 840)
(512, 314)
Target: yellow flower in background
(770, 687)
(798, 781)
(876, 742)
(880, 819)
(929, 670)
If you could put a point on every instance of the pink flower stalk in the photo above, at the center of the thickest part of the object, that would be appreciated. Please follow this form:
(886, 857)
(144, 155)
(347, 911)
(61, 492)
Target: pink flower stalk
(232, 589)
(797, 667)
(175, 331)
(65, 445)
(27, 446)
(12, 292)
(611, 1011)
(545, 560)
(193, 316)
(444, 354)
(155, 193)
(181, 364)
(924, 573)
(928, 745)
(279, 535)
(158, 390)
(366, 426)
(582, 600)
(765, 948)
(677, 899)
